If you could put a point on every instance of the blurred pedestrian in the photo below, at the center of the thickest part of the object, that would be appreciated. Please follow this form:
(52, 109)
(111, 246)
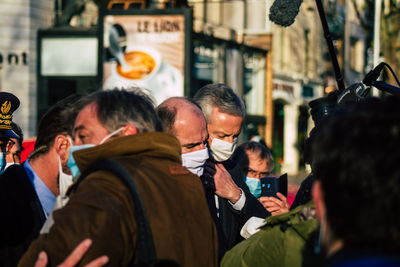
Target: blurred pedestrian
(357, 184)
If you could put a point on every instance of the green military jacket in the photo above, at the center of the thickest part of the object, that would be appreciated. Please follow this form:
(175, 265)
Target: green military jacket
(286, 240)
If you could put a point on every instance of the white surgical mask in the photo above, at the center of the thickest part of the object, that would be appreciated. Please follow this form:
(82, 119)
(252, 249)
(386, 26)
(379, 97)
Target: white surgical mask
(110, 135)
(222, 150)
(64, 180)
(195, 160)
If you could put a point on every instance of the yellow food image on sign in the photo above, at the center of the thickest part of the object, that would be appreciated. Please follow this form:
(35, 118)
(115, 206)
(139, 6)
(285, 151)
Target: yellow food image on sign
(142, 64)
(5, 108)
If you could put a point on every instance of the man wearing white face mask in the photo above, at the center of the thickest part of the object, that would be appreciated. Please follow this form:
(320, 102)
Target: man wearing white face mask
(228, 196)
(30, 189)
(186, 122)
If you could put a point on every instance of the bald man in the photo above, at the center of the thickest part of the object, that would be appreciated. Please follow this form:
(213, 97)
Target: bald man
(184, 120)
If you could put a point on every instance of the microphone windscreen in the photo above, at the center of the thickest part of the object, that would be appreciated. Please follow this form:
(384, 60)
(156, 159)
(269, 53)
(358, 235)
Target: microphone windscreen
(284, 12)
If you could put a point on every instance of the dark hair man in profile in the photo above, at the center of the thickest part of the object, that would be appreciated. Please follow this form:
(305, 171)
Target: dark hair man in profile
(357, 184)
(28, 191)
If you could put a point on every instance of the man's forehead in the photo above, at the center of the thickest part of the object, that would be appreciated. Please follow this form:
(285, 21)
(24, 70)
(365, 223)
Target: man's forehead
(226, 122)
(89, 112)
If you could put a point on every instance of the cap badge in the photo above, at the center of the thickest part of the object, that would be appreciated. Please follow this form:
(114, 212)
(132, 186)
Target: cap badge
(5, 108)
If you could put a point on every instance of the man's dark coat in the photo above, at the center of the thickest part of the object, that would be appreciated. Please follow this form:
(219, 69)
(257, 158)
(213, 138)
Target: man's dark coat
(22, 215)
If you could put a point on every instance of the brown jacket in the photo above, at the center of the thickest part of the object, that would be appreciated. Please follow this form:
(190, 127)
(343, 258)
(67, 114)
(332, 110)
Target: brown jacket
(101, 208)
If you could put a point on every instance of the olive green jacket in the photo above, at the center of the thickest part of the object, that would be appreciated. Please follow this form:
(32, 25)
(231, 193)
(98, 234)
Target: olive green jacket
(286, 240)
(102, 208)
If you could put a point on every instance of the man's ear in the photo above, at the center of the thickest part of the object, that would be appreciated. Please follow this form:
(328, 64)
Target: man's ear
(61, 145)
(129, 129)
(318, 198)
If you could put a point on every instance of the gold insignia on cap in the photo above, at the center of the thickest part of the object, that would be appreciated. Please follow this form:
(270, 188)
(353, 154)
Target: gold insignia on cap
(5, 108)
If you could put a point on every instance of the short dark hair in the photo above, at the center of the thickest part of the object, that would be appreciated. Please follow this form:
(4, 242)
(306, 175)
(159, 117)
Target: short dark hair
(167, 116)
(116, 108)
(356, 159)
(240, 157)
(15, 127)
(221, 96)
(59, 119)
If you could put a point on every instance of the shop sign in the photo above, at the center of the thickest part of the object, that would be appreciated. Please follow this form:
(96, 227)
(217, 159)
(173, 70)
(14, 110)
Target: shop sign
(152, 49)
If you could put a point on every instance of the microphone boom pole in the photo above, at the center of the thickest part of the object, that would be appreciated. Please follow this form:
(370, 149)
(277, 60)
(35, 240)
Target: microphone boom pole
(327, 35)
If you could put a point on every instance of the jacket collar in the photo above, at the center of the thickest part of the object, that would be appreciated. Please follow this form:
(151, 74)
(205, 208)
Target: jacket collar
(155, 144)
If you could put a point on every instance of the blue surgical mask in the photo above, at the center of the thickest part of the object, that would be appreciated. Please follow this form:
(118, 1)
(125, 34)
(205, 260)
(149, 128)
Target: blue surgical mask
(3, 162)
(75, 172)
(254, 185)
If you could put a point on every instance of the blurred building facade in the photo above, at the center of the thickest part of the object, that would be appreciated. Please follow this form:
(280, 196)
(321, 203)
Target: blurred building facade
(19, 23)
(276, 70)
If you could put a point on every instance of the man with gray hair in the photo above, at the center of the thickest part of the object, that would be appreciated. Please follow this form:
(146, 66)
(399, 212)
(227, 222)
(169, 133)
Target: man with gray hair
(228, 197)
(123, 126)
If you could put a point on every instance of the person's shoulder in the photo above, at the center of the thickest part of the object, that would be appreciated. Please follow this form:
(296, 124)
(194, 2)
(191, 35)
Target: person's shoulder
(13, 175)
(15, 184)
(251, 252)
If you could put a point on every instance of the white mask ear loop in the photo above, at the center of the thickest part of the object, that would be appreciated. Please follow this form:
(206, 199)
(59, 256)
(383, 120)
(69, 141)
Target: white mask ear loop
(110, 135)
(70, 141)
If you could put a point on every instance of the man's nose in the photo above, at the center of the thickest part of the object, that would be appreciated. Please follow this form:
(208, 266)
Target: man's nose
(230, 139)
(259, 175)
(198, 147)
(77, 142)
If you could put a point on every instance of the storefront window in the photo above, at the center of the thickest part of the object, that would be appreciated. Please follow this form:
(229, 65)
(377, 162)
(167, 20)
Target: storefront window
(206, 64)
(254, 82)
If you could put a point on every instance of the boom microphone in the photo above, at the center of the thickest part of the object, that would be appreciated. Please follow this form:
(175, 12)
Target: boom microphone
(284, 12)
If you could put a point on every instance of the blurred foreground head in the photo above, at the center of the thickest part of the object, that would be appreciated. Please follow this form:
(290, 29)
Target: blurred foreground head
(356, 167)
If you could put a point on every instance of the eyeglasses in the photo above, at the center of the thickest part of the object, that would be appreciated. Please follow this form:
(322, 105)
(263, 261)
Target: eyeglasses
(256, 174)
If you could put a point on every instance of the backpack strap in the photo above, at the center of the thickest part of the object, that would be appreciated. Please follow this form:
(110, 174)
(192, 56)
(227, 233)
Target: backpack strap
(145, 246)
